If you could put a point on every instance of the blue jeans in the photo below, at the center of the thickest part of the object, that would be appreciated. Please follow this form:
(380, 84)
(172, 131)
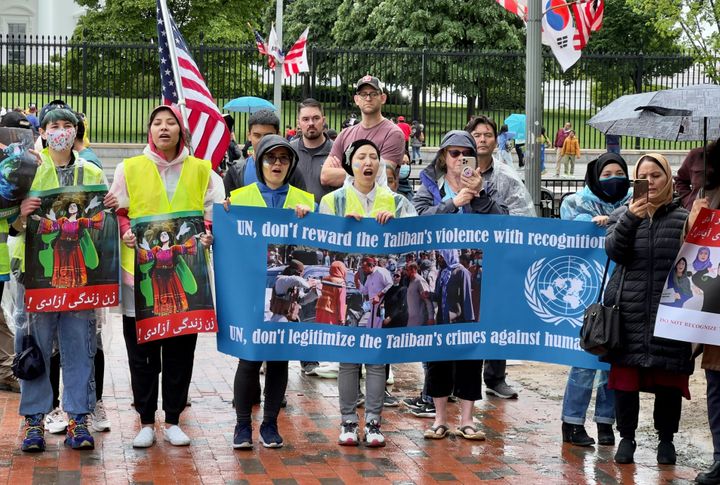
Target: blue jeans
(77, 342)
(416, 154)
(578, 393)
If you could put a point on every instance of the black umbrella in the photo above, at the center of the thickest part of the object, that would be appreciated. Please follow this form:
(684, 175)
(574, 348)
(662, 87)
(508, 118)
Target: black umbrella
(682, 114)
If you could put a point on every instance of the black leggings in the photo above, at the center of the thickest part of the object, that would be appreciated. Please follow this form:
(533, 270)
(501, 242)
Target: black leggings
(666, 413)
(173, 357)
(246, 388)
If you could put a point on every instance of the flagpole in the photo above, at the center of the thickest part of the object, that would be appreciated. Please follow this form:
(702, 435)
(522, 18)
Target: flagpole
(175, 66)
(533, 100)
(277, 92)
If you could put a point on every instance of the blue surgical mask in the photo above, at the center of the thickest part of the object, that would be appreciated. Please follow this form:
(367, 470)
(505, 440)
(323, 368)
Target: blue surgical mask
(615, 187)
(404, 172)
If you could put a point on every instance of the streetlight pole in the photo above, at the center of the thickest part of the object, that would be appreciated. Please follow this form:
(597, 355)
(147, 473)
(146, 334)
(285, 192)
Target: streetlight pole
(533, 100)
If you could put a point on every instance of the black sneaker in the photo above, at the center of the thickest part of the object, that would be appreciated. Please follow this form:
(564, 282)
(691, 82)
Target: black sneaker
(413, 402)
(427, 410)
(390, 401)
(269, 436)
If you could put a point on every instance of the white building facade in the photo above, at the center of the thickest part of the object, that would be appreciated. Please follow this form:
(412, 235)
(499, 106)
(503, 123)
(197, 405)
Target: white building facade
(44, 18)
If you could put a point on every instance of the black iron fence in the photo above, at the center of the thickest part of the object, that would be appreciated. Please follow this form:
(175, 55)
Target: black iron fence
(116, 85)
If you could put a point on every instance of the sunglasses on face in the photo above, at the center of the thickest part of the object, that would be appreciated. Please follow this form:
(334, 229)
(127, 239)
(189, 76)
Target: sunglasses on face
(270, 160)
(457, 153)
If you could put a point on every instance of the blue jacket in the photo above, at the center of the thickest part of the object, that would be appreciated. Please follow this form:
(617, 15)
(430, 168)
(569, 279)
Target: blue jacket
(584, 205)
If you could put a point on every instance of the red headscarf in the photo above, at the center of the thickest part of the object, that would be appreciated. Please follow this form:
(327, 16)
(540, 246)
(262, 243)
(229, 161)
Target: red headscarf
(178, 116)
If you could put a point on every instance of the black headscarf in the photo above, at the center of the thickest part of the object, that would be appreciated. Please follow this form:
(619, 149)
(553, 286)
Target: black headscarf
(595, 168)
(350, 152)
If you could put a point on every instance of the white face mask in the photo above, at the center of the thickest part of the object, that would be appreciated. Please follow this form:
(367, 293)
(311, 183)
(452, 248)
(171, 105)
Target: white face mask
(60, 139)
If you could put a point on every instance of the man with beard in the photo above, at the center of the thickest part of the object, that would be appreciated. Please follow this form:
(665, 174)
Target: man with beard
(313, 147)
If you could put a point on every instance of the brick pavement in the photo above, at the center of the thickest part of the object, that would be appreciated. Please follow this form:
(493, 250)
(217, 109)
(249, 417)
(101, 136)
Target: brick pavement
(523, 445)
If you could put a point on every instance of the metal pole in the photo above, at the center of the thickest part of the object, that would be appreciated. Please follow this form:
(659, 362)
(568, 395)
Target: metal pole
(277, 93)
(533, 100)
(175, 65)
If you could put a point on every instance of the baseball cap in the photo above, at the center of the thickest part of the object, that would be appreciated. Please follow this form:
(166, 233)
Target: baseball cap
(369, 80)
(13, 119)
(55, 104)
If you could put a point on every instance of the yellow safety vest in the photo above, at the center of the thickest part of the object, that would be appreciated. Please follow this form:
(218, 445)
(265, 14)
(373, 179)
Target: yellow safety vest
(85, 173)
(345, 201)
(250, 195)
(148, 196)
(4, 251)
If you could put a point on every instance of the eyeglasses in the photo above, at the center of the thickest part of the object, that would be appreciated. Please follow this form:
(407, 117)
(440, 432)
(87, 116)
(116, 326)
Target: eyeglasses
(396, 276)
(457, 153)
(271, 160)
(368, 94)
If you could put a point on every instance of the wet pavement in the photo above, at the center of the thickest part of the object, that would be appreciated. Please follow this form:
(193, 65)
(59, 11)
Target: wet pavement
(523, 440)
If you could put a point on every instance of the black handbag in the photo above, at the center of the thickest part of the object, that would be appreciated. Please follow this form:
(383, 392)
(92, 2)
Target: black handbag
(28, 364)
(600, 331)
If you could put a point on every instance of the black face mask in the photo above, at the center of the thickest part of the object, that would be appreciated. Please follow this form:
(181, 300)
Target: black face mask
(615, 187)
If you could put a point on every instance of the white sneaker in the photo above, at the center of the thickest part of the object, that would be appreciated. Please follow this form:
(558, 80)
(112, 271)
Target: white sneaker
(328, 371)
(56, 422)
(348, 434)
(373, 436)
(176, 436)
(145, 438)
(391, 378)
(98, 418)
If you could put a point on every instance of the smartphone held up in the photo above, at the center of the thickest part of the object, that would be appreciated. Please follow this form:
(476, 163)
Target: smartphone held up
(640, 189)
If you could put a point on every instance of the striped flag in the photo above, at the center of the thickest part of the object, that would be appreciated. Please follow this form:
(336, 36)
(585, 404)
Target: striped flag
(588, 18)
(263, 50)
(275, 53)
(517, 7)
(296, 58)
(209, 133)
(260, 42)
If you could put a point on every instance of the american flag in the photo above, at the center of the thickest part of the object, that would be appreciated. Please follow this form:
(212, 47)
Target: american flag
(263, 50)
(296, 58)
(588, 18)
(210, 135)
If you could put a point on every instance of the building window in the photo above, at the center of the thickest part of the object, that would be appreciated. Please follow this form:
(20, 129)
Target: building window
(16, 33)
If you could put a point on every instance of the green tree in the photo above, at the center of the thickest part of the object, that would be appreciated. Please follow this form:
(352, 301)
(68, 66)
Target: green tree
(217, 21)
(697, 22)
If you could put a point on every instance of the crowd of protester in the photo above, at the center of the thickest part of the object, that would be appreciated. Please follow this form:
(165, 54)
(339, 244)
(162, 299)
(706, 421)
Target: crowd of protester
(360, 173)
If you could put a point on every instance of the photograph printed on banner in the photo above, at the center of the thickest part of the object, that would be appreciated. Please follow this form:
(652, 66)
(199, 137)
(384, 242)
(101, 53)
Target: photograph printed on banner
(67, 239)
(172, 284)
(390, 290)
(17, 168)
(694, 281)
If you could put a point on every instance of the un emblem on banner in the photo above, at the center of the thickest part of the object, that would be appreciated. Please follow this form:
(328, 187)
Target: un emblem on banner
(560, 289)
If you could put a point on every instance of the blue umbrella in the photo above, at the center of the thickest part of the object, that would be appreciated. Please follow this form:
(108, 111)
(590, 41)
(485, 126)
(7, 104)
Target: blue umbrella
(516, 124)
(248, 104)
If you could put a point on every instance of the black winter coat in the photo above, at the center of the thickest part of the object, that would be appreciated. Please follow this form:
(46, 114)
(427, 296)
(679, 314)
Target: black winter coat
(647, 249)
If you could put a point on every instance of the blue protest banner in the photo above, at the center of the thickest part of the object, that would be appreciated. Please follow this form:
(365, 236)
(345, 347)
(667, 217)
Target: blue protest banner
(513, 287)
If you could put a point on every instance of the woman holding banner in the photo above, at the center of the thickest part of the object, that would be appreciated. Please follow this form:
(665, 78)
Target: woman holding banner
(710, 353)
(450, 186)
(276, 163)
(163, 180)
(60, 167)
(364, 197)
(643, 239)
(606, 188)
